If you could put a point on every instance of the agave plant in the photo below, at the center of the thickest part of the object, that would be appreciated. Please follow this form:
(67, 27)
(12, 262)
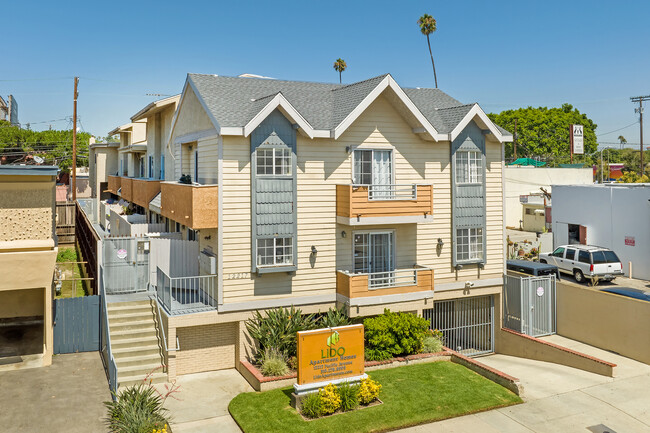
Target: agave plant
(334, 317)
(277, 328)
(137, 409)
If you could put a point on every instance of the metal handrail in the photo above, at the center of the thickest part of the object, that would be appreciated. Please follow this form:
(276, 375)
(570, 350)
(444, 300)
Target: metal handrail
(110, 361)
(391, 191)
(162, 331)
(198, 289)
(386, 279)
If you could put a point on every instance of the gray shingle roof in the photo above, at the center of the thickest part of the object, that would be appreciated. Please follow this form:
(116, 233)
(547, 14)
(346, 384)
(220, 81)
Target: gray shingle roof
(234, 101)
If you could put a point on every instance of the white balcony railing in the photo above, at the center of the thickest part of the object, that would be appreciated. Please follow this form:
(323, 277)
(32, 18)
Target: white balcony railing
(391, 192)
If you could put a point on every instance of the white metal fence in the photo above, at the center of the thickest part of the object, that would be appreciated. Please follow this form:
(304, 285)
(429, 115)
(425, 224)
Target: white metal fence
(467, 324)
(180, 295)
(392, 192)
(529, 304)
(396, 278)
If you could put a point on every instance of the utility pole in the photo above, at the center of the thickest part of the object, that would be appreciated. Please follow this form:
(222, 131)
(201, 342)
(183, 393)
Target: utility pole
(74, 142)
(515, 139)
(639, 110)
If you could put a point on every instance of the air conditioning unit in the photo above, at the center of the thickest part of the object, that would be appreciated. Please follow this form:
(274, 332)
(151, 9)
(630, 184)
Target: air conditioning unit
(208, 262)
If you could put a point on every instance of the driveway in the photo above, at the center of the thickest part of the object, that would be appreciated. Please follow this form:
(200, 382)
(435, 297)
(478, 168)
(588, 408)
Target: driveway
(66, 397)
(563, 399)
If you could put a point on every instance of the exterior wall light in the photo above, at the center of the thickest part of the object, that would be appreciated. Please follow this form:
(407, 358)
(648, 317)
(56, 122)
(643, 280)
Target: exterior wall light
(314, 250)
(343, 234)
(440, 243)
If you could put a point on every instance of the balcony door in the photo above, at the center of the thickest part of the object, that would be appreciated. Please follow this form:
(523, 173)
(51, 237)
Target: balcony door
(374, 168)
(374, 255)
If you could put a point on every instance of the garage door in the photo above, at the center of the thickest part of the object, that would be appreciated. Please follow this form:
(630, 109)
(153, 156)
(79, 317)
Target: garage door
(467, 324)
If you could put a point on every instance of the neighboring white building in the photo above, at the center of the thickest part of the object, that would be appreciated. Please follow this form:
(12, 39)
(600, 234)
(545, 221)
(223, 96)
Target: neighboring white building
(615, 216)
(523, 181)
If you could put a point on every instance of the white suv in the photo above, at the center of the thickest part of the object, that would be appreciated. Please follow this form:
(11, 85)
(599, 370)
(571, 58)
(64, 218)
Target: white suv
(585, 261)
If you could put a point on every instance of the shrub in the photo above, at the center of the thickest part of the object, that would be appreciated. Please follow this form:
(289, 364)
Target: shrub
(273, 363)
(431, 344)
(368, 391)
(66, 255)
(329, 399)
(334, 317)
(292, 363)
(277, 329)
(311, 406)
(394, 334)
(349, 395)
(137, 409)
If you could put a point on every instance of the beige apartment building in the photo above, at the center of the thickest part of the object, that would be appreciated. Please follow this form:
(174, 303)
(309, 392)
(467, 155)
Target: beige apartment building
(27, 257)
(368, 196)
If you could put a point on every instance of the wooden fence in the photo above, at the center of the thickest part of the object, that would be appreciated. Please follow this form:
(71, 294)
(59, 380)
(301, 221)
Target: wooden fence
(65, 222)
(87, 240)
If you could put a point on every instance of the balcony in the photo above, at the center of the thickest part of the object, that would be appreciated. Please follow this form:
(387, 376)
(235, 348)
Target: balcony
(184, 295)
(397, 282)
(384, 204)
(127, 188)
(195, 206)
(144, 190)
(114, 184)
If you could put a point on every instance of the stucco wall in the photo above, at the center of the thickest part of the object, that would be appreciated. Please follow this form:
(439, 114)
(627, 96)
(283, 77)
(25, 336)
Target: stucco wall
(610, 213)
(608, 321)
(22, 303)
(527, 180)
(26, 208)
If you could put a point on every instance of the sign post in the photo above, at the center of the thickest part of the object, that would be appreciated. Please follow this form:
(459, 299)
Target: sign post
(329, 355)
(577, 140)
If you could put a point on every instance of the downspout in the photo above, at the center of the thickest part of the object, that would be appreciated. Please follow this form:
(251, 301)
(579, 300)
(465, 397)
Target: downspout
(220, 221)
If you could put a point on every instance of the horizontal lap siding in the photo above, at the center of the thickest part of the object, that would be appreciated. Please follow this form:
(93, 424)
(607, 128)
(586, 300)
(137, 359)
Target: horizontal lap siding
(322, 165)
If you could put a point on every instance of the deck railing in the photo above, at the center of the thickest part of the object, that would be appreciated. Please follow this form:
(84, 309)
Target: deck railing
(391, 192)
(182, 295)
(396, 278)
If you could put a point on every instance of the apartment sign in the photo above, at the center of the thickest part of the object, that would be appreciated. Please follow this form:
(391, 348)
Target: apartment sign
(578, 139)
(330, 353)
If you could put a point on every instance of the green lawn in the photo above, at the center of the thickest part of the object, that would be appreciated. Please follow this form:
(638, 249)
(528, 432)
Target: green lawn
(68, 289)
(412, 395)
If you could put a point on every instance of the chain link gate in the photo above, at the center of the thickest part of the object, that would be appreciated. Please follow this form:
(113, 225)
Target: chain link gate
(529, 305)
(467, 324)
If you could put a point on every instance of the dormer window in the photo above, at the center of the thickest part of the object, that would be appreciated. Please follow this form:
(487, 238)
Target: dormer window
(469, 166)
(273, 161)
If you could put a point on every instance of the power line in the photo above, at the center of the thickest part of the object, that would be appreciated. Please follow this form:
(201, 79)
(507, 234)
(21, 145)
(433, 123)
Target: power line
(619, 129)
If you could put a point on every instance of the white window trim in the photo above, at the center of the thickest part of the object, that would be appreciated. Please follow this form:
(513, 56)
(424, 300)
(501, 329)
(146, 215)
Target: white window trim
(373, 148)
(275, 264)
(471, 259)
(375, 232)
(273, 166)
(482, 172)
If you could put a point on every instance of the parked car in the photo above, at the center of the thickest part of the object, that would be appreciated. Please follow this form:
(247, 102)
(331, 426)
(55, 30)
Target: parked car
(585, 261)
(629, 292)
(533, 268)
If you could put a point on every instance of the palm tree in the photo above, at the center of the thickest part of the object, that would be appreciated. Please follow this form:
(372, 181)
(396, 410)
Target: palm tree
(340, 66)
(427, 26)
(622, 140)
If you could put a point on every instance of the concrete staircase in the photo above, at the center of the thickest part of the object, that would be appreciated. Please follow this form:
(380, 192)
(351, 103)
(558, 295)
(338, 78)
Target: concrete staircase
(134, 342)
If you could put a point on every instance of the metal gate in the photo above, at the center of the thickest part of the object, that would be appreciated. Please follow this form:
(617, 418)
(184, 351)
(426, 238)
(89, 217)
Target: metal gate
(529, 305)
(467, 324)
(76, 324)
(126, 264)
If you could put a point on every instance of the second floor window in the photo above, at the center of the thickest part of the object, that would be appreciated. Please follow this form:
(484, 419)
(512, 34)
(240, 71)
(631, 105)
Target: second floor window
(469, 244)
(275, 251)
(469, 167)
(373, 167)
(273, 161)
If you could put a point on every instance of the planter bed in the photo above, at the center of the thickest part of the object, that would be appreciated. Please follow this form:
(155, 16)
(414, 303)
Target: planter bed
(259, 382)
(411, 395)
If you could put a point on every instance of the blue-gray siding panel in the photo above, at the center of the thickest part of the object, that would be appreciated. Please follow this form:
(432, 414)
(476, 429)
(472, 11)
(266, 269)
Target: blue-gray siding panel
(76, 324)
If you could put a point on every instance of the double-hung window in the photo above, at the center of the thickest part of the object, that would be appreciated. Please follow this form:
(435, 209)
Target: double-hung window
(275, 251)
(273, 161)
(469, 244)
(469, 166)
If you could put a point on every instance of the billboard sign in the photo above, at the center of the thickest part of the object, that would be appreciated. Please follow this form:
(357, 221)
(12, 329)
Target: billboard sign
(577, 132)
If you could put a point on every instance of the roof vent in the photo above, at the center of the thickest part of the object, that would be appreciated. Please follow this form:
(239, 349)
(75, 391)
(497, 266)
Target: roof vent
(255, 76)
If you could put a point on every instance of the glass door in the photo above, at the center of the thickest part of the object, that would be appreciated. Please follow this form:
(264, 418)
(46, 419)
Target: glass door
(373, 254)
(375, 169)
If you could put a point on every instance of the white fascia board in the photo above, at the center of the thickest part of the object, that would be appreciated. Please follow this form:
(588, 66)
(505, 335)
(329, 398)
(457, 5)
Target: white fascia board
(279, 101)
(232, 130)
(477, 111)
(372, 96)
(175, 117)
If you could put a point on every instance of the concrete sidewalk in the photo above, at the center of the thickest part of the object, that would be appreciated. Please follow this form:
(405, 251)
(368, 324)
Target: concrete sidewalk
(563, 399)
(202, 401)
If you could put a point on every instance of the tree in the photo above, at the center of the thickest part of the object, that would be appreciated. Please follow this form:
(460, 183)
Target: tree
(545, 131)
(633, 177)
(427, 26)
(622, 140)
(340, 66)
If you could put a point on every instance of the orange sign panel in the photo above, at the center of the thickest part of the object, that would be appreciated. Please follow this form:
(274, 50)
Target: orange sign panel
(330, 353)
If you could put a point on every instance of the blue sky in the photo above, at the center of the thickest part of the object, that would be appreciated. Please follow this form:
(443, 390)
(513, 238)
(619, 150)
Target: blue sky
(592, 54)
